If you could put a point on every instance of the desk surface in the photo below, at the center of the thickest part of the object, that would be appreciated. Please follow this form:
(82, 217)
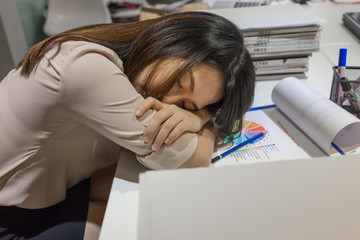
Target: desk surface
(120, 221)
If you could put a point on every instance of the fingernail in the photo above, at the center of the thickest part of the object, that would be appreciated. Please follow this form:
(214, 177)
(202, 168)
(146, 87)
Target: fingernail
(155, 146)
(146, 138)
(138, 111)
(167, 141)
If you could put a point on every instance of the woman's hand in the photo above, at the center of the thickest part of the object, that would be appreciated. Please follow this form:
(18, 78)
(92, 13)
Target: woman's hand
(174, 121)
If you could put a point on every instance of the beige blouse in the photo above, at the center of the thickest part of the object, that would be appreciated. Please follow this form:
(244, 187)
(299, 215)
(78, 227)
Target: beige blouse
(68, 120)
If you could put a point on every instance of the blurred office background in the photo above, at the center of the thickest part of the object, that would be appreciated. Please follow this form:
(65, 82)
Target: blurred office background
(21, 23)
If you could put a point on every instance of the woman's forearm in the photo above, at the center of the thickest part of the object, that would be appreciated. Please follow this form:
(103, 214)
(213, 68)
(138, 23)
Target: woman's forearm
(203, 153)
(204, 115)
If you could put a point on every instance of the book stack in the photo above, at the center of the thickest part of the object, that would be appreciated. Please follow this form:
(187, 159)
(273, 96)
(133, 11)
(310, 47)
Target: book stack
(281, 52)
(279, 38)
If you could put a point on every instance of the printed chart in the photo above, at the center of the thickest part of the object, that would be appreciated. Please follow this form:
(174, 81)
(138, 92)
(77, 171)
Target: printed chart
(274, 145)
(249, 130)
(258, 153)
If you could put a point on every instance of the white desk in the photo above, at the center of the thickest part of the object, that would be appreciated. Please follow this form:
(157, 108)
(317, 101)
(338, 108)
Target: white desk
(121, 217)
(120, 221)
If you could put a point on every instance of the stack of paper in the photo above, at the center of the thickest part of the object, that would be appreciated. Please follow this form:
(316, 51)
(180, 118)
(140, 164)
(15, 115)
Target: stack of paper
(279, 38)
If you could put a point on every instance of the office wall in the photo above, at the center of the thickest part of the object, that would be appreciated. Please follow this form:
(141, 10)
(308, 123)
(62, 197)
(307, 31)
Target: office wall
(13, 45)
(32, 19)
(21, 24)
(6, 62)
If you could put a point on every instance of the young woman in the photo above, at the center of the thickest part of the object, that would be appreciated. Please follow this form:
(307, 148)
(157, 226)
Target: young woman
(78, 97)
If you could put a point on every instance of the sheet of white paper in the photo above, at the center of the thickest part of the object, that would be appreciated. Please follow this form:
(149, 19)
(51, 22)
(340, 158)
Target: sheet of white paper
(275, 145)
(321, 119)
(299, 199)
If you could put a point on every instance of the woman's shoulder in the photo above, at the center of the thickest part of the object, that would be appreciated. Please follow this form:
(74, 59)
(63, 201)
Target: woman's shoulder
(72, 50)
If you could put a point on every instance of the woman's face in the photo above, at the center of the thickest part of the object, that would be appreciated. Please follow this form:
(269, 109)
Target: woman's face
(196, 89)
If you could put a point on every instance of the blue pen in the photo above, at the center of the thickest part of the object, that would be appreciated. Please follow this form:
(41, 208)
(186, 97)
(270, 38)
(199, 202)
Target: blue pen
(224, 154)
(337, 148)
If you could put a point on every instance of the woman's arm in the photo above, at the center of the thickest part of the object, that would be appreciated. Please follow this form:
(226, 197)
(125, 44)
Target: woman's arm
(97, 93)
(171, 120)
(205, 148)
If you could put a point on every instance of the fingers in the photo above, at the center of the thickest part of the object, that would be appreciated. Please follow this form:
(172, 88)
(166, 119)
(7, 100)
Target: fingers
(161, 117)
(175, 133)
(170, 121)
(165, 133)
(148, 103)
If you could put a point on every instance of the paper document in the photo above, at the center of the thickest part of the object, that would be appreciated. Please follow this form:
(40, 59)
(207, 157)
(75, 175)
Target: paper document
(278, 200)
(276, 144)
(321, 119)
(304, 124)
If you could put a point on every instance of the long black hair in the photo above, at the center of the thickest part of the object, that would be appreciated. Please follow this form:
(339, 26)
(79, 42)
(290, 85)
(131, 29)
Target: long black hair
(195, 37)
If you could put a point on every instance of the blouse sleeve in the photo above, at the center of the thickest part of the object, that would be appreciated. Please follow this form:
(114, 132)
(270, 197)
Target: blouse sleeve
(98, 94)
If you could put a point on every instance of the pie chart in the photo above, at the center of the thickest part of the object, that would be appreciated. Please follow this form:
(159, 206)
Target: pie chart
(249, 130)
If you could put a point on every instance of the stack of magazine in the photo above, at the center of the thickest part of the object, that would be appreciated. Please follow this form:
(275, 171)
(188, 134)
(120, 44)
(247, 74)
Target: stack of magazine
(279, 38)
(282, 52)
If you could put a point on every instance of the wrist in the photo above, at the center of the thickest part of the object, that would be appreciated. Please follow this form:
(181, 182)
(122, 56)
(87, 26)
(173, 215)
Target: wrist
(204, 115)
(208, 131)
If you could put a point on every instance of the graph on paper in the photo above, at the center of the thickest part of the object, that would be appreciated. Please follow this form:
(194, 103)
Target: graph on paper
(274, 145)
(249, 130)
